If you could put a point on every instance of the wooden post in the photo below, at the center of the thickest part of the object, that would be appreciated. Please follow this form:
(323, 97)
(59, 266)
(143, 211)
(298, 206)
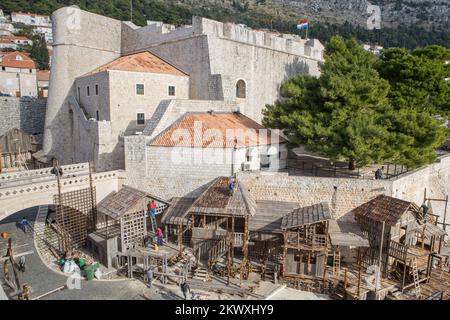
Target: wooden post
(345, 278)
(380, 258)
(359, 282)
(445, 214)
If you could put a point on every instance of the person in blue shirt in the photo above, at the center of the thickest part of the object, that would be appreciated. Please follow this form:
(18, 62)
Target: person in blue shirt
(24, 224)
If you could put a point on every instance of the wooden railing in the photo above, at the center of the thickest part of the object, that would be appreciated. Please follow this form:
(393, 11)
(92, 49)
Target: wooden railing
(313, 240)
(217, 250)
(397, 250)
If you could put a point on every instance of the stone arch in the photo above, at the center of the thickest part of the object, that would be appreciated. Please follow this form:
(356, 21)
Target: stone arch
(241, 89)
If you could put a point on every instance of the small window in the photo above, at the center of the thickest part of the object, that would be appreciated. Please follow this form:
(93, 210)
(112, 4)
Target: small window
(141, 118)
(171, 90)
(87, 91)
(97, 115)
(79, 95)
(96, 89)
(140, 89)
(241, 89)
(31, 71)
(3, 68)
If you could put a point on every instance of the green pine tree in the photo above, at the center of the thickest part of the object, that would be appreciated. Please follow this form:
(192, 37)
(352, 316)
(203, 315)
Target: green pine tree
(39, 52)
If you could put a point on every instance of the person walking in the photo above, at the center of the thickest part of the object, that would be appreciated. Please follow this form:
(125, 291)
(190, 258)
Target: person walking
(231, 186)
(24, 224)
(379, 173)
(185, 288)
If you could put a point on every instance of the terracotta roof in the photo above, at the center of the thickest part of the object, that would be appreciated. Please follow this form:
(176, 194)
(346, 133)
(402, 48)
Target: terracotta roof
(140, 62)
(306, 216)
(9, 60)
(384, 208)
(216, 200)
(43, 75)
(11, 39)
(219, 130)
(28, 14)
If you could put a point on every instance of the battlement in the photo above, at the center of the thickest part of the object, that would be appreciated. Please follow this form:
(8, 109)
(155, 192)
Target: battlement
(135, 38)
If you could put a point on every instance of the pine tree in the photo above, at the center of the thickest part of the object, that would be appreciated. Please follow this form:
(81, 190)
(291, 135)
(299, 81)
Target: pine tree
(39, 52)
(349, 113)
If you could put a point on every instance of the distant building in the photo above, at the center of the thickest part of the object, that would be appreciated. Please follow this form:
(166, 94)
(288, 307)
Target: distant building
(14, 42)
(43, 78)
(17, 74)
(5, 32)
(2, 16)
(46, 31)
(30, 19)
(376, 50)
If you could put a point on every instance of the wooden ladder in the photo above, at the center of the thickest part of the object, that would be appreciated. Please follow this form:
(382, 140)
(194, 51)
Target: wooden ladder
(153, 223)
(415, 274)
(336, 262)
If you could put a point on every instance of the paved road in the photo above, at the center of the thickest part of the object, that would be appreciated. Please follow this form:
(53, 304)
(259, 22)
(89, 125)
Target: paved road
(43, 280)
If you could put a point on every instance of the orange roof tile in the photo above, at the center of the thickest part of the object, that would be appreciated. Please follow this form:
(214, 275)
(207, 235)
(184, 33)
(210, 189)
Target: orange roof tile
(43, 75)
(140, 62)
(218, 130)
(9, 60)
(13, 38)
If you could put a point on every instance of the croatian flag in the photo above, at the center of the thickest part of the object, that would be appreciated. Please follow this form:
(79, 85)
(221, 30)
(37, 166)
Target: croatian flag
(303, 25)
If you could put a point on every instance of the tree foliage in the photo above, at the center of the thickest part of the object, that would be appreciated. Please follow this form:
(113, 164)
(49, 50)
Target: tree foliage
(39, 52)
(350, 112)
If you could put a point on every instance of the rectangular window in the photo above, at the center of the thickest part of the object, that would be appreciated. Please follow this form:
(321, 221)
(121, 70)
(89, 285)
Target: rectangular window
(97, 115)
(140, 119)
(96, 89)
(140, 89)
(79, 95)
(171, 90)
(87, 91)
(3, 68)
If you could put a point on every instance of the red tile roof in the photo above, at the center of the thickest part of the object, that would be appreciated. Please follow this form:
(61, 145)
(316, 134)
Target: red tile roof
(219, 130)
(141, 62)
(43, 75)
(11, 39)
(9, 60)
(28, 14)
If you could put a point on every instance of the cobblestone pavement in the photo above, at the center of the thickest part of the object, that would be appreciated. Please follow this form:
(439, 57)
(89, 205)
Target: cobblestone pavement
(43, 280)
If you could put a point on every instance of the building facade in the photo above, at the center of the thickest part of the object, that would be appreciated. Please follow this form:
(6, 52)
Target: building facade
(17, 74)
(30, 19)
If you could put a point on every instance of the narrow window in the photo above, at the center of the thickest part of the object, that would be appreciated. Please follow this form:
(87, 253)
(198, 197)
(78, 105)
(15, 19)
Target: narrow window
(140, 89)
(171, 90)
(79, 94)
(96, 89)
(241, 89)
(97, 114)
(87, 91)
(141, 118)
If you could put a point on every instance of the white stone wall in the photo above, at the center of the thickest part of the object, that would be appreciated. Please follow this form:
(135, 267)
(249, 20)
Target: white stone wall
(82, 42)
(15, 80)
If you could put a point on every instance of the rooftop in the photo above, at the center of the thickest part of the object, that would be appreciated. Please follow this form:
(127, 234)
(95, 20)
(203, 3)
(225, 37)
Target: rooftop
(140, 62)
(269, 215)
(215, 130)
(216, 200)
(118, 203)
(16, 60)
(384, 209)
(307, 215)
(43, 75)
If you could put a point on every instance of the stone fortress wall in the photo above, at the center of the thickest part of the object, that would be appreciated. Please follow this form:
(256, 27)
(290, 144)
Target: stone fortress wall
(214, 54)
(28, 116)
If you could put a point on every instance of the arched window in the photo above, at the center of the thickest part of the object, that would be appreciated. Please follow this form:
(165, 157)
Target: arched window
(240, 89)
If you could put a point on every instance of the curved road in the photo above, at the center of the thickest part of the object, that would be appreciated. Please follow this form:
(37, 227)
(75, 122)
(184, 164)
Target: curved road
(43, 280)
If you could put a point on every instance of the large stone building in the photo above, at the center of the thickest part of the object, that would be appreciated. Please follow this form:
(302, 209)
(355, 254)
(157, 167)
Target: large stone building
(226, 63)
